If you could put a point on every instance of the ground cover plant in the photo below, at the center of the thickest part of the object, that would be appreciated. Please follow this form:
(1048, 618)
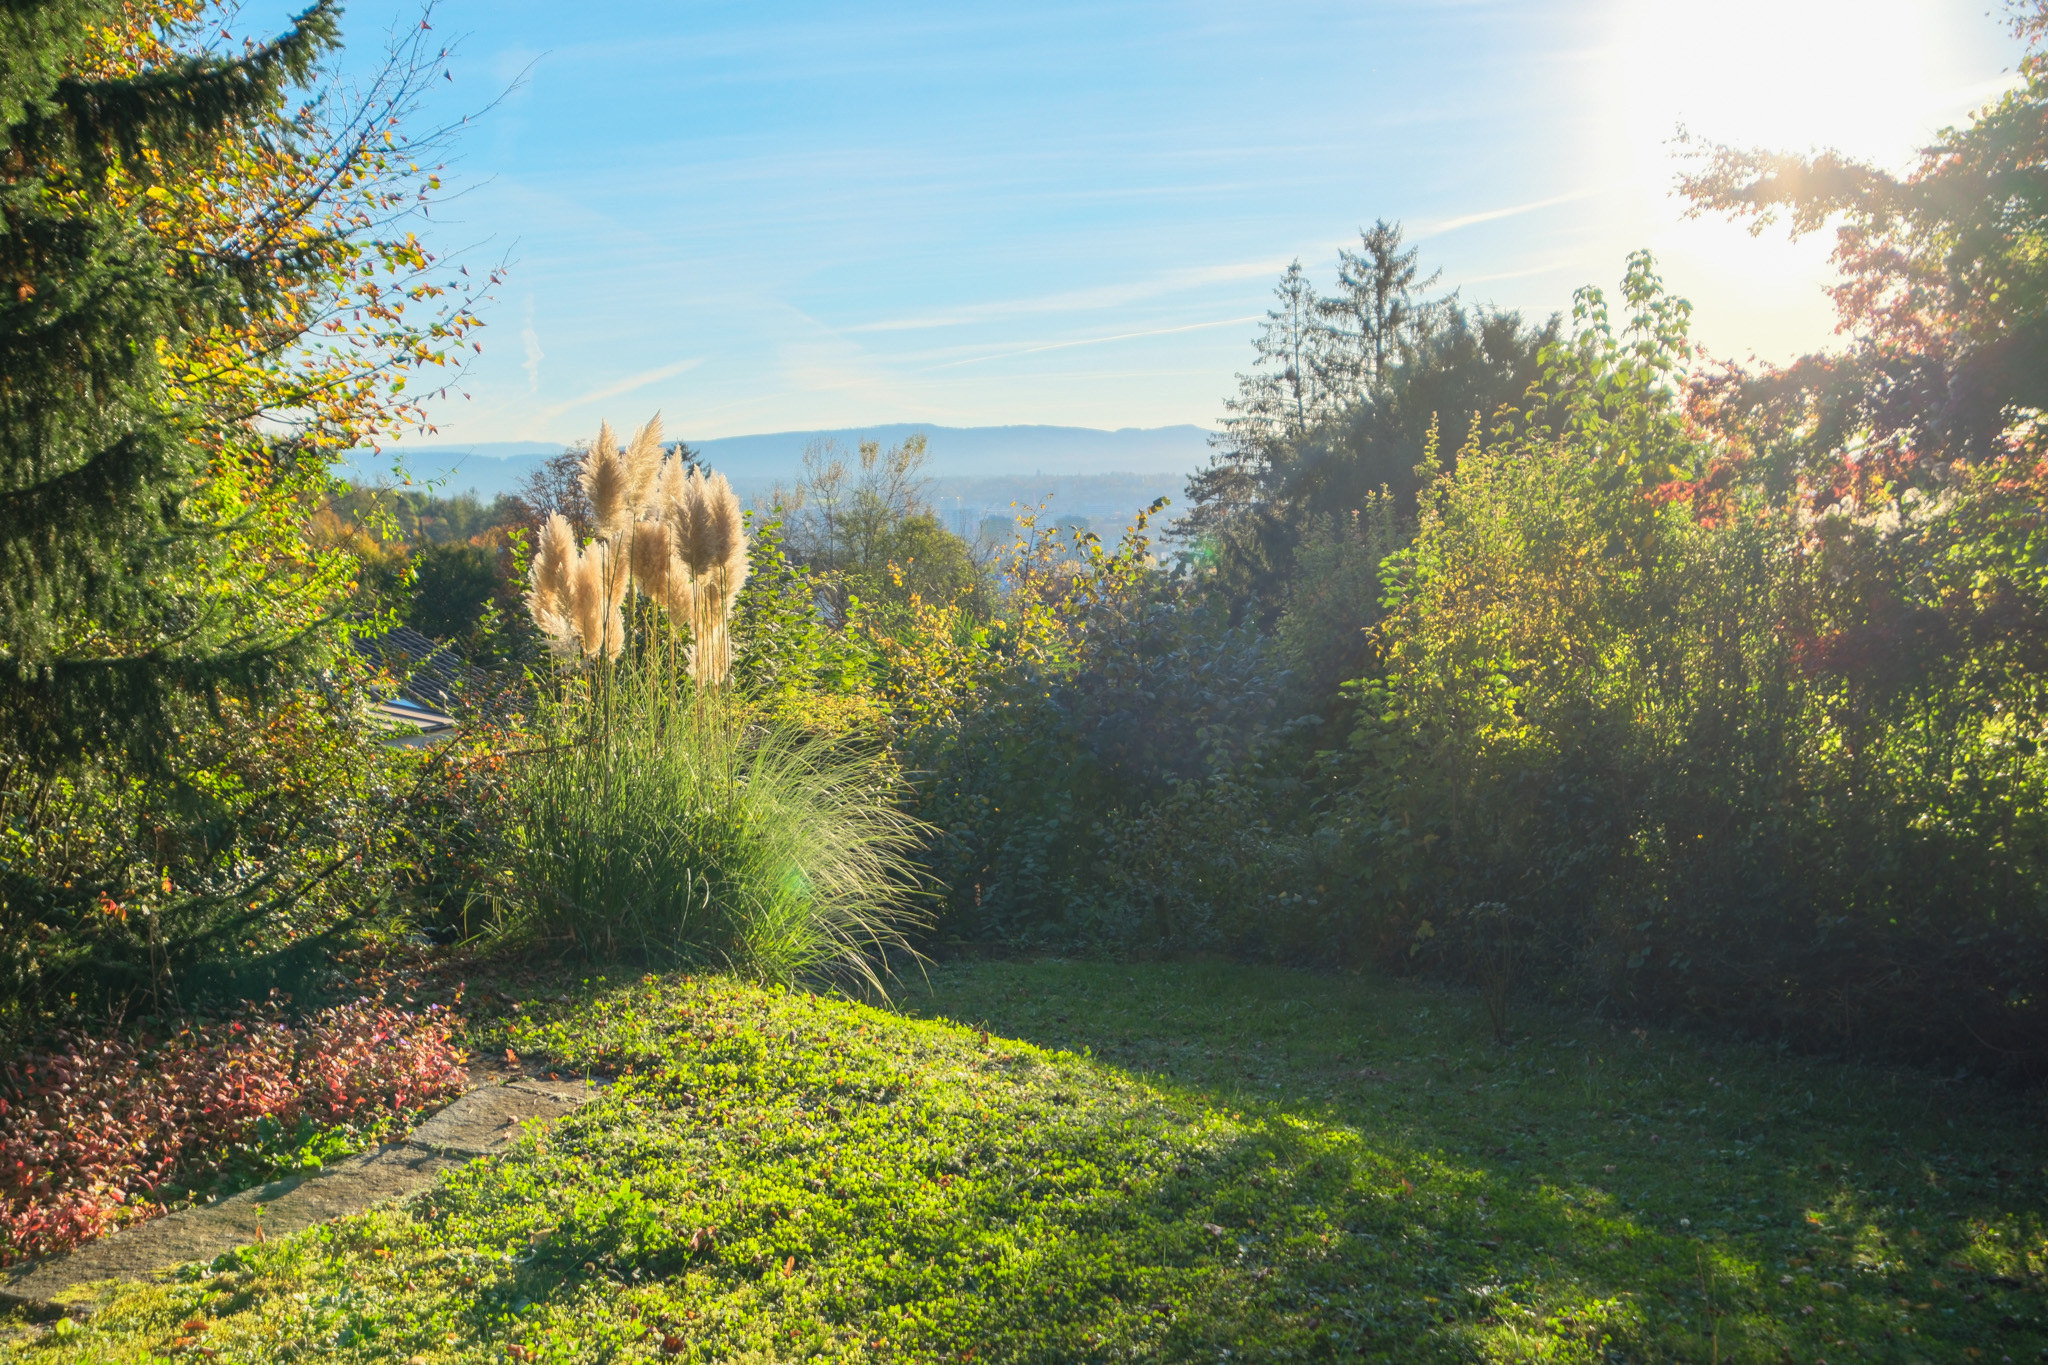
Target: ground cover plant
(100, 1131)
(1063, 1162)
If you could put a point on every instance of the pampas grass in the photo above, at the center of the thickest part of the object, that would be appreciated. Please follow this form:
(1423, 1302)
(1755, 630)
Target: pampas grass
(671, 530)
(692, 833)
(660, 822)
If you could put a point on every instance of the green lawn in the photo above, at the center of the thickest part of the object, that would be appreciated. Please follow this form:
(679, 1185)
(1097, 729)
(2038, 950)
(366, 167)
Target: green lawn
(1188, 1163)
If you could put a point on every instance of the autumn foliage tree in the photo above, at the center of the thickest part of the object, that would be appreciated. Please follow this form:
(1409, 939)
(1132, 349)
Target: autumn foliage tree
(203, 295)
(1944, 279)
(209, 286)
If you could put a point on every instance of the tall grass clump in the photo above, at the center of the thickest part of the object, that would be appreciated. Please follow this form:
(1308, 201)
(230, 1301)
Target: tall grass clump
(659, 816)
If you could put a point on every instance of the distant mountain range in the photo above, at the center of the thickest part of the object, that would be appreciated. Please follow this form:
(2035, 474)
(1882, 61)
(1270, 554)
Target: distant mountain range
(1159, 454)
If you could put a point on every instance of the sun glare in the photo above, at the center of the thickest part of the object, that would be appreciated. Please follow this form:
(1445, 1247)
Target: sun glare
(1872, 78)
(1789, 74)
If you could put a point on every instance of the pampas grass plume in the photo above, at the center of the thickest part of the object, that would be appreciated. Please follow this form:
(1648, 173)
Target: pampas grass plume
(555, 563)
(615, 564)
(643, 462)
(679, 591)
(598, 591)
(604, 483)
(614, 641)
(551, 590)
(653, 557)
(693, 515)
(671, 492)
(725, 534)
(589, 605)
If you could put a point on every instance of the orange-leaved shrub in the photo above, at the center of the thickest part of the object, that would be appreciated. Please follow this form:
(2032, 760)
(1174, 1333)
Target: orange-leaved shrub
(95, 1132)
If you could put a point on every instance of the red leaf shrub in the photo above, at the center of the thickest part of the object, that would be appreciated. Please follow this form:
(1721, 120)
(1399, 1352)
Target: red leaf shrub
(90, 1130)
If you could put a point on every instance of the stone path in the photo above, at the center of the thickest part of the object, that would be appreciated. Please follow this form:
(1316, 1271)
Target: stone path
(478, 1123)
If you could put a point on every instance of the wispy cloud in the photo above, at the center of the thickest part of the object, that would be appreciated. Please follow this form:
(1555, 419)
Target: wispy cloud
(1975, 95)
(1079, 300)
(1095, 341)
(1494, 215)
(534, 354)
(626, 385)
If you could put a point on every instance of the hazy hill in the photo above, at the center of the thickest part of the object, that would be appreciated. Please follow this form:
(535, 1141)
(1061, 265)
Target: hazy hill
(754, 462)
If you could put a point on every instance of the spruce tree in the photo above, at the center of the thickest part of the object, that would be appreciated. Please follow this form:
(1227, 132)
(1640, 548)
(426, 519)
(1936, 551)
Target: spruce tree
(1375, 313)
(99, 649)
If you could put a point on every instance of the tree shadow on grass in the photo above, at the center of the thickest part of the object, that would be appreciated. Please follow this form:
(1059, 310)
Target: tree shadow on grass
(1398, 1183)
(1278, 1166)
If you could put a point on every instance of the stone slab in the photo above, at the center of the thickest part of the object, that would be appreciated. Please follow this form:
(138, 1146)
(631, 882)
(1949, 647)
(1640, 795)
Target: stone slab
(277, 1209)
(564, 1087)
(483, 1121)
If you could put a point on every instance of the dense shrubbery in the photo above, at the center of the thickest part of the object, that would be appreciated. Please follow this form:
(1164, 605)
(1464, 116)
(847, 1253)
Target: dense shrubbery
(1103, 703)
(280, 832)
(1680, 690)
(1774, 764)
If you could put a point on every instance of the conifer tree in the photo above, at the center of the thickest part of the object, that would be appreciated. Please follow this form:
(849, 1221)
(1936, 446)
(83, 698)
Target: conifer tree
(1286, 391)
(98, 645)
(1285, 394)
(1375, 311)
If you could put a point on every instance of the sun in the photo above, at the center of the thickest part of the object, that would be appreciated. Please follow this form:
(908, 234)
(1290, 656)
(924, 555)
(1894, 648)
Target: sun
(1871, 78)
(1793, 75)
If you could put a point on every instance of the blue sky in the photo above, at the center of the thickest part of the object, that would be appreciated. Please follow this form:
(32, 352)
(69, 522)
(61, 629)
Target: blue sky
(771, 216)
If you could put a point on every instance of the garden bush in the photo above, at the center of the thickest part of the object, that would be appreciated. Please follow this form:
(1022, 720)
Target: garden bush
(281, 836)
(1771, 760)
(1107, 708)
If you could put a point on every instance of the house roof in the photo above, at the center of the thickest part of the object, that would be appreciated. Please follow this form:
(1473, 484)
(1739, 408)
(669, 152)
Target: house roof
(432, 674)
(413, 725)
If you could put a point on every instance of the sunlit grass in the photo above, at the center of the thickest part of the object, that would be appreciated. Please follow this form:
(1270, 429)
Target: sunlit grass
(1175, 1162)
